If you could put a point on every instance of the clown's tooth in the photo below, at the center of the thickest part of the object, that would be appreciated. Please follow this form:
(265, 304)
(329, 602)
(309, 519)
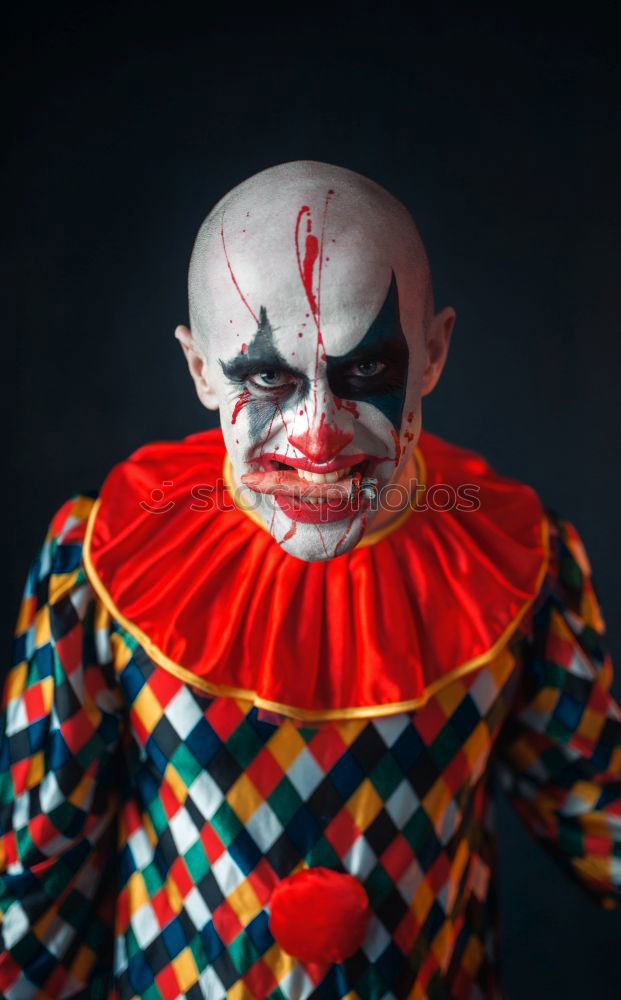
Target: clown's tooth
(323, 477)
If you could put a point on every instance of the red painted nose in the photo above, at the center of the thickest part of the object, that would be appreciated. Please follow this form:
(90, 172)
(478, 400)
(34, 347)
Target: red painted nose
(322, 443)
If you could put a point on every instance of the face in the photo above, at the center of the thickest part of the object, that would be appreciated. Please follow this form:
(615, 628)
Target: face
(317, 369)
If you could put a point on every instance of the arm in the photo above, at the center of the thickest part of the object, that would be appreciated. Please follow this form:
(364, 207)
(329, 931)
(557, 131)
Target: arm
(559, 756)
(59, 734)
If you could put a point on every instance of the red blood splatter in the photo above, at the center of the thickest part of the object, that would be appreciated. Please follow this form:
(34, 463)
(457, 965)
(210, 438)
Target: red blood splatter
(321, 540)
(243, 398)
(350, 525)
(233, 278)
(395, 438)
(324, 441)
(408, 436)
(290, 533)
(277, 409)
(410, 417)
(321, 443)
(243, 347)
(306, 264)
(301, 334)
(347, 404)
(310, 257)
(342, 537)
(363, 524)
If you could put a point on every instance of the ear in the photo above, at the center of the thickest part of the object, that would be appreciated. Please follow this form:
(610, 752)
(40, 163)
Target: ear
(437, 344)
(197, 367)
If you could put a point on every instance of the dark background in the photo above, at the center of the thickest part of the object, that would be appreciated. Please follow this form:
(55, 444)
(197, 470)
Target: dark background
(500, 132)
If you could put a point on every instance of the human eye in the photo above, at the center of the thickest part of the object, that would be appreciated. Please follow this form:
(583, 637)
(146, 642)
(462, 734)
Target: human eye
(271, 379)
(366, 369)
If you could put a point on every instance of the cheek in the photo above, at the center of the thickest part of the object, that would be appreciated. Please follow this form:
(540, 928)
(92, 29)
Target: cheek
(408, 433)
(251, 424)
(412, 409)
(416, 371)
(241, 417)
(236, 438)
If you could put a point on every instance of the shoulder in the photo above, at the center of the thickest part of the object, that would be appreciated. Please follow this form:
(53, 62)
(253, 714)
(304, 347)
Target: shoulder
(567, 611)
(569, 573)
(61, 552)
(568, 555)
(68, 525)
(57, 595)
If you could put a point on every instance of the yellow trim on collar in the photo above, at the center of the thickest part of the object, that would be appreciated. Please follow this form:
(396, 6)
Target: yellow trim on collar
(293, 711)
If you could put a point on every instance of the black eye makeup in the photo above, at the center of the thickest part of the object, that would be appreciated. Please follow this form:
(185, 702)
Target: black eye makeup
(376, 370)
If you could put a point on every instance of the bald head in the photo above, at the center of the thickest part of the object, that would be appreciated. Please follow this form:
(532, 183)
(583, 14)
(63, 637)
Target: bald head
(246, 250)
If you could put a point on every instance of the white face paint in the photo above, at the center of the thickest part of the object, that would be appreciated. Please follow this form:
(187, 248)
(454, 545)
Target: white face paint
(306, 300)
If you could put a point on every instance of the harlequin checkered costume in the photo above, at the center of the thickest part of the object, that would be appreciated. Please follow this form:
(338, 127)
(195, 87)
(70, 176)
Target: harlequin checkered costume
(147, 818)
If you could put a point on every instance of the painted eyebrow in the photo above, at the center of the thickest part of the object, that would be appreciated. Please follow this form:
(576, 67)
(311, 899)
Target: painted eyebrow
(242, 366)
(384, 348)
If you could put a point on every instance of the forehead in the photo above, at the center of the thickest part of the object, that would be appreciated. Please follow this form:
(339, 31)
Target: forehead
(342, 292)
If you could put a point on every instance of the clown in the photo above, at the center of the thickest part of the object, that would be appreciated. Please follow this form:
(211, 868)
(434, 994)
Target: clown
(264, 681)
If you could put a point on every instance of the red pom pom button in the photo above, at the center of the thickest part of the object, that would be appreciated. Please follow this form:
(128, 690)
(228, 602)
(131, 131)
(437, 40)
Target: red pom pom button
(319, 915)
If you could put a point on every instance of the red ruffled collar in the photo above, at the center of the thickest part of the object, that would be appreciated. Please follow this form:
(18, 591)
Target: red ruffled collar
(214, 599)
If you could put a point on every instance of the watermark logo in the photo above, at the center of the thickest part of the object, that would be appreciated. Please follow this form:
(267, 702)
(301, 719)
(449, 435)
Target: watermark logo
(391, 497)
(155, 505)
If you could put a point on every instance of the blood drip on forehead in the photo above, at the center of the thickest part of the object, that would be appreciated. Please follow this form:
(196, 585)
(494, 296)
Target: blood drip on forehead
(320, 441)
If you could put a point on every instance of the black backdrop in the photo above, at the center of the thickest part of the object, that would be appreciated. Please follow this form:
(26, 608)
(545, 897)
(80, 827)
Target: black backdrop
(499, 131)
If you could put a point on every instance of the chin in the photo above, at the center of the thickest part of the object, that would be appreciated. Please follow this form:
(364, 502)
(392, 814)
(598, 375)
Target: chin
(319, 541)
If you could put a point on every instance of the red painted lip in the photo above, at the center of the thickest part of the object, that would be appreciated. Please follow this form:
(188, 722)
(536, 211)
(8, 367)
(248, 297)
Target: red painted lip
(342, 462)
(299, 510)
